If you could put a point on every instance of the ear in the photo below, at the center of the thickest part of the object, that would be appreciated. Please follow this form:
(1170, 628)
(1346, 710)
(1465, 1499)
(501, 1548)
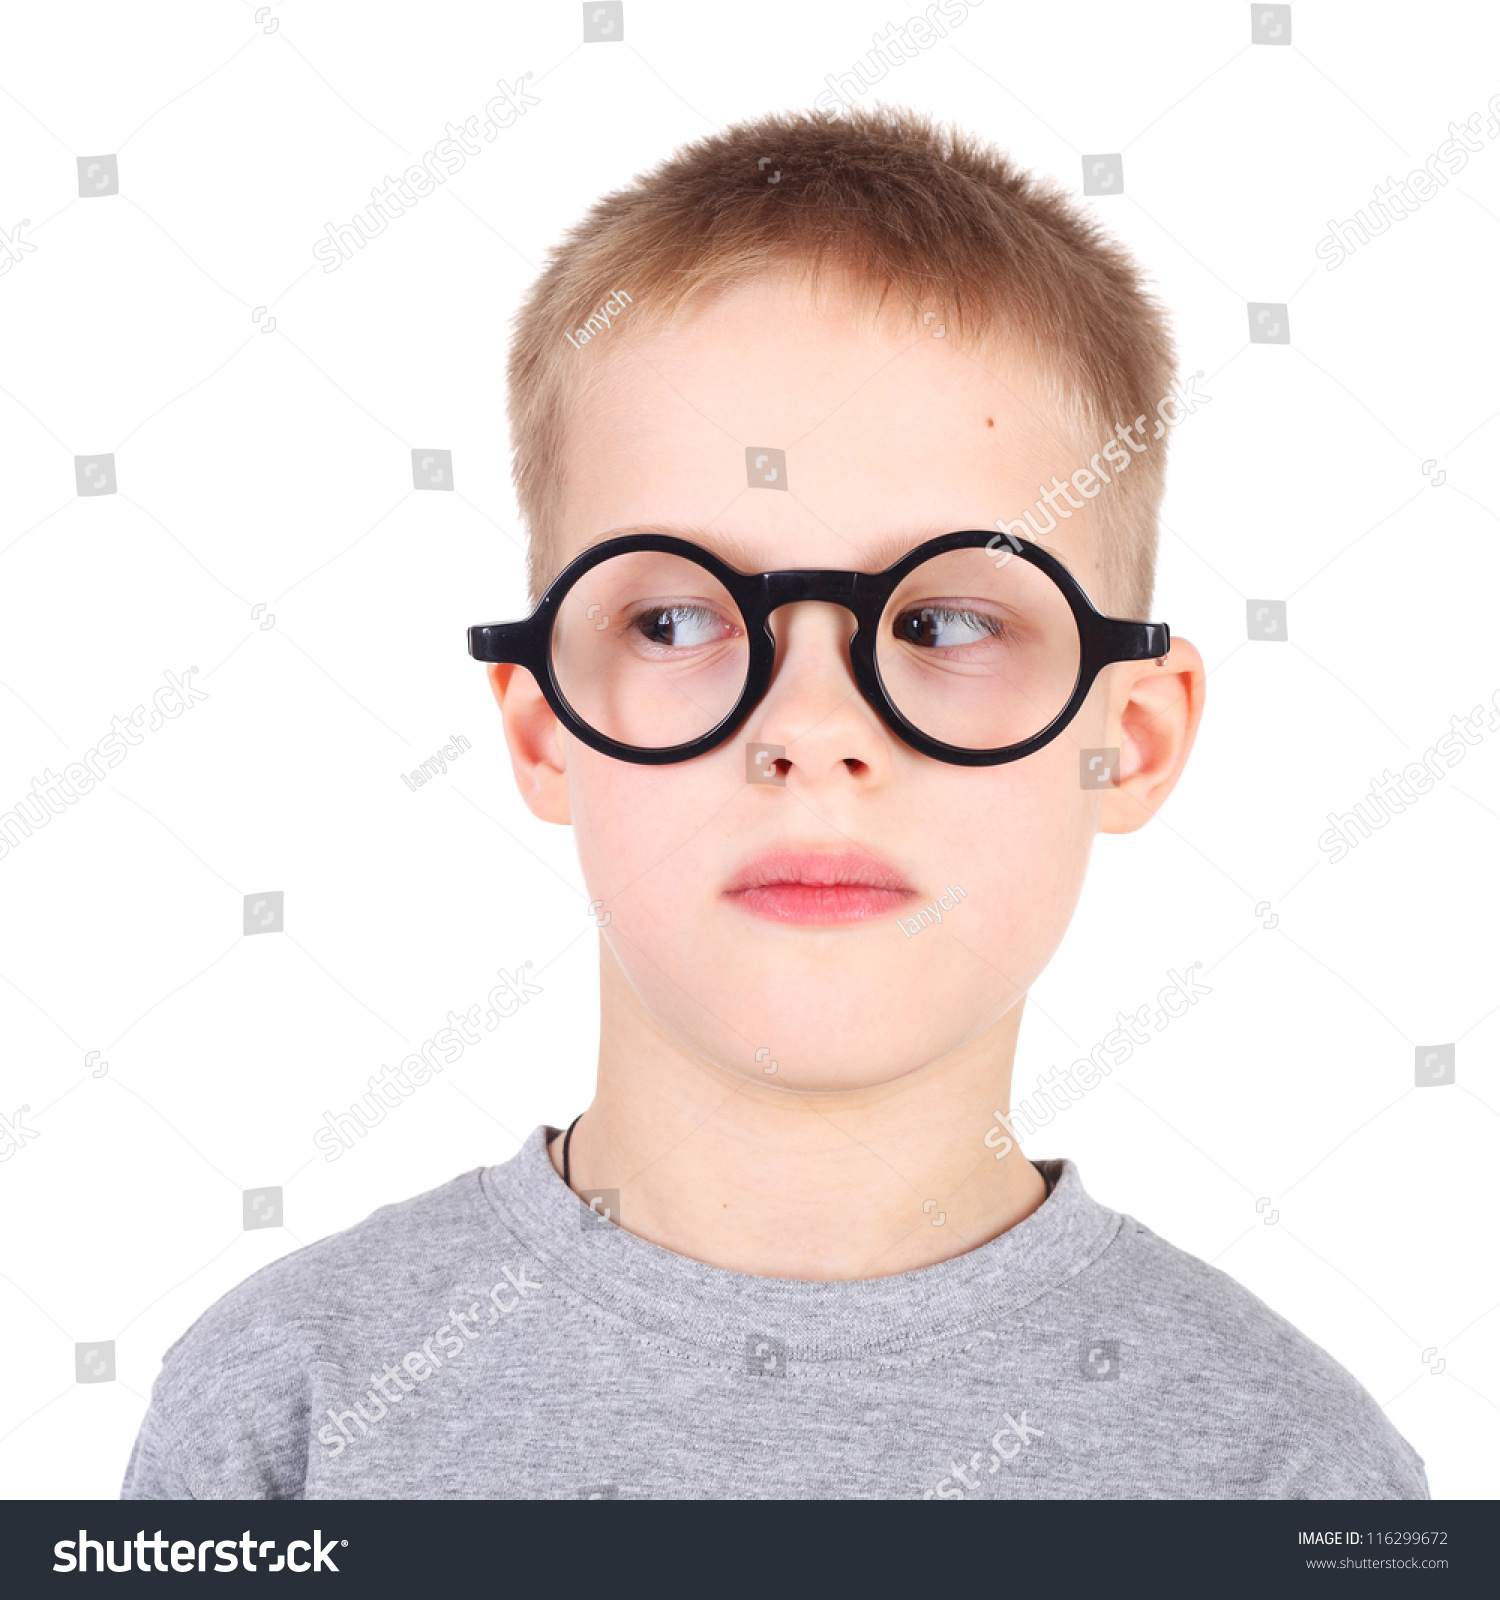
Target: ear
(1154, 715)
(535, 739)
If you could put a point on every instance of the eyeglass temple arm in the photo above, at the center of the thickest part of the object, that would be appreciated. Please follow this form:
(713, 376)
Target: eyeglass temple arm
(514, 642)
(1136, 641)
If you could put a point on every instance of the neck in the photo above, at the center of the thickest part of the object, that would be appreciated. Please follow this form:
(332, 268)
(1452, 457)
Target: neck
(781, 1184)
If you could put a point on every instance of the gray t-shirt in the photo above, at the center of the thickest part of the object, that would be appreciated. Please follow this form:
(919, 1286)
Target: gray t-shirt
(495, 1338)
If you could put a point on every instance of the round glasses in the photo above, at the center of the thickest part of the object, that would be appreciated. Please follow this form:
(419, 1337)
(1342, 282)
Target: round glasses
(975, 648)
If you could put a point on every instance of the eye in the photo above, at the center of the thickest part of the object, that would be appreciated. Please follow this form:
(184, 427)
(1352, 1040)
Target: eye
(682, 627)
(946, 627)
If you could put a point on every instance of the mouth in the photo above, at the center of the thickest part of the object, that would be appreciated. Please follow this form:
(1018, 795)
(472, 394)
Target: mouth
(818, 888)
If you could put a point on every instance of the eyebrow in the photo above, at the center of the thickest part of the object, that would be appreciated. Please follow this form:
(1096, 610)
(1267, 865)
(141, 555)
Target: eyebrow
(737, 553)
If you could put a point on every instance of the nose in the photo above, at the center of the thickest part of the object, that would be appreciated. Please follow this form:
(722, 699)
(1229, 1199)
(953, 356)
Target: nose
(819, 631)
(814, 708)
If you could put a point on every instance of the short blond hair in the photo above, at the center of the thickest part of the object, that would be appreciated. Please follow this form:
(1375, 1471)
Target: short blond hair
(903, 208)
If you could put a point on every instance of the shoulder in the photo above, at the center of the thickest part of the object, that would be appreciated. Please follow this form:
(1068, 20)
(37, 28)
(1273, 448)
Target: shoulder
(367, 1269)
(230, 1405)
(1314, 1430)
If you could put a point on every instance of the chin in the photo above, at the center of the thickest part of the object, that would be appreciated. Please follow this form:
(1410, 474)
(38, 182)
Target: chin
(814, 1059)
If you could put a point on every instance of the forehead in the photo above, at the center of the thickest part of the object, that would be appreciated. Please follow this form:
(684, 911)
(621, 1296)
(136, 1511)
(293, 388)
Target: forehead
(788, 431)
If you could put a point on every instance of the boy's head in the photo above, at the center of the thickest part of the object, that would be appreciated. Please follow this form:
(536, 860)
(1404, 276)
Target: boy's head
(934, 341)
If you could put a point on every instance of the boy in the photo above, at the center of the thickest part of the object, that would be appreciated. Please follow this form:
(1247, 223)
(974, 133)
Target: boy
(791, 1248)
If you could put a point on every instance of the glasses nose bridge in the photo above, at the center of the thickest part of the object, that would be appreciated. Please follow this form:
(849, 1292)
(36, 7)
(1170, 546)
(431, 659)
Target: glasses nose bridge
(799, 584)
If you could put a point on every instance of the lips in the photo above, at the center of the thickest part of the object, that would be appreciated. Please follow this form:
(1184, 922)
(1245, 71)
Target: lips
(818, 888)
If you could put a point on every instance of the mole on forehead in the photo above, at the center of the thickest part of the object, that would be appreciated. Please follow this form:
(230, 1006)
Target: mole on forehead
(740, 553)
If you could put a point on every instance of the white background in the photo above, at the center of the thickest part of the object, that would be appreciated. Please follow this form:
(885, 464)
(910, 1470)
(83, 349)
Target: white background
(274, 468)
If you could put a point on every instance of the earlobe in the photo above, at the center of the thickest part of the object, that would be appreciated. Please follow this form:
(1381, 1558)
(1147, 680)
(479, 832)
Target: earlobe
(534, 736)
(1156, 716)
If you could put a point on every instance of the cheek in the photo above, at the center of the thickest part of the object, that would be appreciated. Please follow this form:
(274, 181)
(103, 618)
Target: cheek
(612, 819)
(641, 832)
(1016, 838)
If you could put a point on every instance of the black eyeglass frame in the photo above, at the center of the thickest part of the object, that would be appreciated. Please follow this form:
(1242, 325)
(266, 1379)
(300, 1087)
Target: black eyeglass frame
(1102, 639)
